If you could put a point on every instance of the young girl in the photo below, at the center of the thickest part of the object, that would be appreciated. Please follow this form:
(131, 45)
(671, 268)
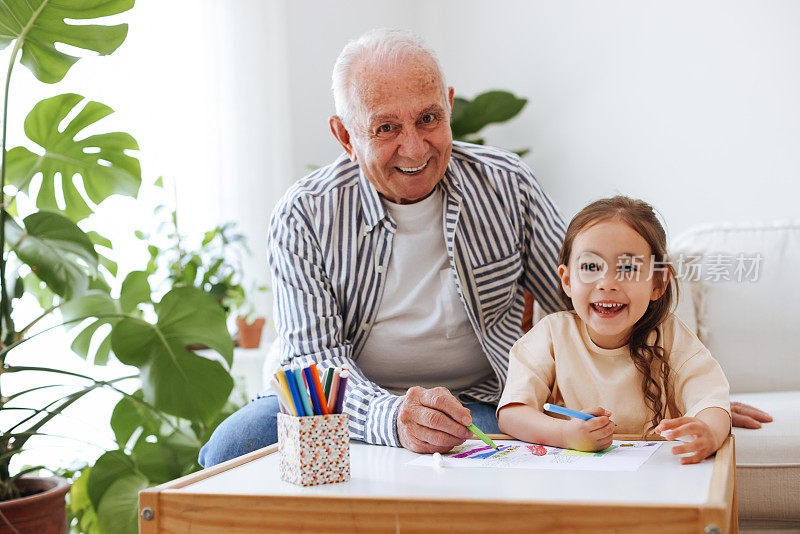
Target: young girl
(618, 353)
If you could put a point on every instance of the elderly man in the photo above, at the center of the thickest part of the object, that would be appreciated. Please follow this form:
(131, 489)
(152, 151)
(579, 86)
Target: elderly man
(405, 261)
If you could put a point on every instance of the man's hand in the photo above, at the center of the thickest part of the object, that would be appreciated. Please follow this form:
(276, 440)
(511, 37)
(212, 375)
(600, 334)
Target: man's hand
(747, 416)
(432, 420)
(595, 434)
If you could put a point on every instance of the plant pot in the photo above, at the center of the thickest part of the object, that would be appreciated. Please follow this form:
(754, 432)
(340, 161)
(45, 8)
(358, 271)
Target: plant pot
(249, 335)
(43, 512)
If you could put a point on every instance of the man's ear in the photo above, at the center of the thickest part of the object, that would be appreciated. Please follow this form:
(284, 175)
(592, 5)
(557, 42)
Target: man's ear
(450, 95)
(563, 273)
(660, 284)
(342, 135)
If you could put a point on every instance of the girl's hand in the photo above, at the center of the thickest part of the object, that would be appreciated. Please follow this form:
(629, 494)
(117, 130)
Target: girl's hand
(704, 443)
(594, 434)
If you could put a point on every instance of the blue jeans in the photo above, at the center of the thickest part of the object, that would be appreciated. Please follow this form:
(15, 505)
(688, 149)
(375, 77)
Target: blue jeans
(255, 426)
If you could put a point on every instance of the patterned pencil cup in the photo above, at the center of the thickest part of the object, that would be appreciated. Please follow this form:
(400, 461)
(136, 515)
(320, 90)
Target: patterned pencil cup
(314, 449)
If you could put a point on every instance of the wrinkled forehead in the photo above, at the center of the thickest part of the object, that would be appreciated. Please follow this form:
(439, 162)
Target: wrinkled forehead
(393, 86)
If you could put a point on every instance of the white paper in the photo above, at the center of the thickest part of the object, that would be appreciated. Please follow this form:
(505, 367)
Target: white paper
(621, 456)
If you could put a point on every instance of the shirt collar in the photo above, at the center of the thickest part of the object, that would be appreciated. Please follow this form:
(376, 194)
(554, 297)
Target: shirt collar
(374, 210)
(373, 207)
(451, 183)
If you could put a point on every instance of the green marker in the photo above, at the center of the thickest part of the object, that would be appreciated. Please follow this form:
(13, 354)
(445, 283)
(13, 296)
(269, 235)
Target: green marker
(481, 436)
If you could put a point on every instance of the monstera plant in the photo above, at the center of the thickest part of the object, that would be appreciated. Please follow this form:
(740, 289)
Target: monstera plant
(47, 255)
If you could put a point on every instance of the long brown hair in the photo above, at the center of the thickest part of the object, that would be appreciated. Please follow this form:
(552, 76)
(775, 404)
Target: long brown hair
(650, 360)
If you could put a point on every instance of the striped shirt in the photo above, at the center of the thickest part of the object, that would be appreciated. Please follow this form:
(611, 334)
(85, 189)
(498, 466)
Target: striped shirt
(330, 240)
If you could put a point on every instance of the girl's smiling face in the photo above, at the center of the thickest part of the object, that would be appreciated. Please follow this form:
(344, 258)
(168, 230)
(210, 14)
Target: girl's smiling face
(610, 280)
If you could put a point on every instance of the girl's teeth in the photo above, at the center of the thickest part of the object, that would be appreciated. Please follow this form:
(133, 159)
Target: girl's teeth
(605, 307)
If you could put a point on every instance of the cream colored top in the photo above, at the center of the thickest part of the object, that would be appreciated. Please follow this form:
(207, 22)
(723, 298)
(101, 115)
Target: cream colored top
(557, 362)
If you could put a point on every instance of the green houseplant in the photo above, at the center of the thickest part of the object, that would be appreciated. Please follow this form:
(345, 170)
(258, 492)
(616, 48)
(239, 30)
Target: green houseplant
(155, 446)
(45, 253)
(469, 117)
(215, 267)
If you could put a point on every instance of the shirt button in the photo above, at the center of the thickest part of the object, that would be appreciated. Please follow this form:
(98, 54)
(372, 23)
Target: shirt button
(365, 326)
(380, 268)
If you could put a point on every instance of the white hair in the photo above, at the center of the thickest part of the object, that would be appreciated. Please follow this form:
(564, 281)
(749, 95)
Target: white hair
(381, 45)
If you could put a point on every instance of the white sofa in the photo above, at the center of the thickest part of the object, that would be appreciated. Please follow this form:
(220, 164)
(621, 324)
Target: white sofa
(748, 326)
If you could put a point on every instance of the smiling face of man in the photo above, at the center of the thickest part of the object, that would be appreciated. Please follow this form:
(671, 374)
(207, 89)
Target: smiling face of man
(400, 134)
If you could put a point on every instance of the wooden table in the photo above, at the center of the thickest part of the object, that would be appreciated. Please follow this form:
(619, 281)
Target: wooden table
(386, 495)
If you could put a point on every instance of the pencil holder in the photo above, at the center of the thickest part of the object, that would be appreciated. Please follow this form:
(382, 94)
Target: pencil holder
(314, 449)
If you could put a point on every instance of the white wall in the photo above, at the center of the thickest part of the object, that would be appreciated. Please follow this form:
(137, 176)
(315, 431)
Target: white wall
(690, 105)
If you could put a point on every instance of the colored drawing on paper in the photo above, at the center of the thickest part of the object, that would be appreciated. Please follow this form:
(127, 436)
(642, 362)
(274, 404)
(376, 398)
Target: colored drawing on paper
(505, 450)
(571, 452)
(620, 456)
(537, 450)
(493, 452)
(470, 452)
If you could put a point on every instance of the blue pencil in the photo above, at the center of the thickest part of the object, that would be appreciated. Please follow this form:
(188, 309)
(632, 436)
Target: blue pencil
(569, 413)
(292, 385)
(312, 391)
(566, 411)
(301, 389)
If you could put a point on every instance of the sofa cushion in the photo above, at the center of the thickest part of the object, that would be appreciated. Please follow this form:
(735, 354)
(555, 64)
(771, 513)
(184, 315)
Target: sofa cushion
(745, 296)
(768, 459)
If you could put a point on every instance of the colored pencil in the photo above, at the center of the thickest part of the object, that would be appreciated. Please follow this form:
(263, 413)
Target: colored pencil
(481, 436)
(301, 388)
(327, 385)
(342, 388)
(333, 392)
(276, 387)
(291, 383)
(323, 405)
(312, 391)
(569, 413)
(281, 377)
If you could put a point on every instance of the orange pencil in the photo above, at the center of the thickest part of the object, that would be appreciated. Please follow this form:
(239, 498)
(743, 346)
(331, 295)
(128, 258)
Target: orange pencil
(318, 387)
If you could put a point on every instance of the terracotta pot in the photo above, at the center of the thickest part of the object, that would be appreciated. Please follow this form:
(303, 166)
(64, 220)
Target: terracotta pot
(41, 513)
(249, 336)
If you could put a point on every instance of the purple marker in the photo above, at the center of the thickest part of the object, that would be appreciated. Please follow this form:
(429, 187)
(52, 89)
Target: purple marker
(342, 388)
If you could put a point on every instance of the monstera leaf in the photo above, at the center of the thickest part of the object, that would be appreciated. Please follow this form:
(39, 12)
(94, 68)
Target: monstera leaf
(175, 379)
(57, 251)
(129, 415)
(99, 159)
(105, 310)
(37, 25)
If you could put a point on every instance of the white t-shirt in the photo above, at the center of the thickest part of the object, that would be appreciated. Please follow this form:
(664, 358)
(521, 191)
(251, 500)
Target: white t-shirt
(421, 335)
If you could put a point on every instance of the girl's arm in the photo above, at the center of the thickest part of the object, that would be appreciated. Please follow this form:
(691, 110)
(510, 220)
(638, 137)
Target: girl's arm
(710, 427)
(527, 423)
(719, 422)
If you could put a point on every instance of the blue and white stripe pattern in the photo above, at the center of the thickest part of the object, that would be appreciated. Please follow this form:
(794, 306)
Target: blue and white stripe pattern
(330, 240)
